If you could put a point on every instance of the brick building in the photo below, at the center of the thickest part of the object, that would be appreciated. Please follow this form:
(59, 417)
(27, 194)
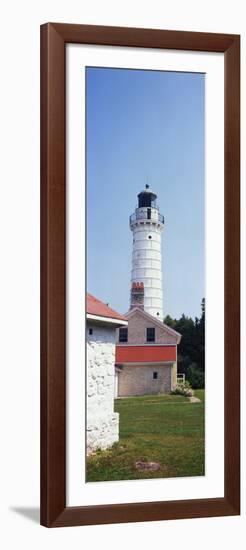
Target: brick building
(146, 355)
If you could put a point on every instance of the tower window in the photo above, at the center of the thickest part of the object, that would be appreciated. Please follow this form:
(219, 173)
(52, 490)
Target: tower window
(150, 237)
(155, 375)
(123, 335)
(151, 334)
(90, 331)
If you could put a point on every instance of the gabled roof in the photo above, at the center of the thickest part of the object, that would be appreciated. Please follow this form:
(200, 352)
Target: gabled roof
(97, 308)
(154, 321)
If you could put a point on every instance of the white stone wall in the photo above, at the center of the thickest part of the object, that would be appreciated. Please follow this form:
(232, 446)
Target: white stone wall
(102, 421)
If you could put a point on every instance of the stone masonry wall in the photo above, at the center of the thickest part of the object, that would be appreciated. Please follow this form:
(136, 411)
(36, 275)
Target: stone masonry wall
(137, 326)
(102, 421)
(138, 380)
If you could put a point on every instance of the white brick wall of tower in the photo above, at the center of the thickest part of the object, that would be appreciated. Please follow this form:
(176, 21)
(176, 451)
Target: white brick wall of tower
(147, 258)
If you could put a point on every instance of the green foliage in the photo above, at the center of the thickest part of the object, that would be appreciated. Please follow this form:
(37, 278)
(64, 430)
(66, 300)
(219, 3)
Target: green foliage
(169, 321)
(195, 376)
(191, 350)
(183, 388)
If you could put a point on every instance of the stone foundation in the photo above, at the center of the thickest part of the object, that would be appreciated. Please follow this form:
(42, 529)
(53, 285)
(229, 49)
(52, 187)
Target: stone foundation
(102, 432)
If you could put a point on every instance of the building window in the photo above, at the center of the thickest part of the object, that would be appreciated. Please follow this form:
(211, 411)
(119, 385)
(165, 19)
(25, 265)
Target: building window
(150, 237)
(90, 331)
(123, 335)
(150, 334)
(155, 375)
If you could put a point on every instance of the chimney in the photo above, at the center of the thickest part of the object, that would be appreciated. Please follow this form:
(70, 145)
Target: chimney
(137, 295)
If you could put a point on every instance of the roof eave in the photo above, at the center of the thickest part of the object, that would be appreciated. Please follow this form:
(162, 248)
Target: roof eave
(106, 320)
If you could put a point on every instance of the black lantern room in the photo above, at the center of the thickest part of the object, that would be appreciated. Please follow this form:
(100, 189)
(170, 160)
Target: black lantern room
(147, 198)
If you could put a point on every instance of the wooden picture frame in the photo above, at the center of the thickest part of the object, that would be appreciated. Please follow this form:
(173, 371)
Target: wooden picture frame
(54, 512)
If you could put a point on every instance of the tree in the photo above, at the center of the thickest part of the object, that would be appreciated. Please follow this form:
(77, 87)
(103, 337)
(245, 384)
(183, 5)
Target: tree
(191, 350)
(169, 321)
(195, 376)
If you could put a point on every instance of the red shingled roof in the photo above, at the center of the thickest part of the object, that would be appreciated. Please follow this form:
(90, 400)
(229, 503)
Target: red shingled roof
(96, 307)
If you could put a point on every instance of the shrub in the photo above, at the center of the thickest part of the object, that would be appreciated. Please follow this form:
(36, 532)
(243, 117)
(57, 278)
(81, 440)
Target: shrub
(183, 388)
(195, 376)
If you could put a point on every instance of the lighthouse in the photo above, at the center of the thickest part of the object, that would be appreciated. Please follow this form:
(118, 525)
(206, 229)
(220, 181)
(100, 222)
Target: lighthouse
(146, 224)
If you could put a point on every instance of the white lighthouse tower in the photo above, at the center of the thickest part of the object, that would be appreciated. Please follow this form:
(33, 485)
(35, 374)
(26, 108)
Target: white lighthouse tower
(146, 277)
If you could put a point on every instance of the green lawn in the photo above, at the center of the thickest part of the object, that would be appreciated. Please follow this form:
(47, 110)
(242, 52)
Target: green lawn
(167, 429)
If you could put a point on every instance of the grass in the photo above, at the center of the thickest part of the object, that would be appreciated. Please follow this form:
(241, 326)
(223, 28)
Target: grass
(167, 429)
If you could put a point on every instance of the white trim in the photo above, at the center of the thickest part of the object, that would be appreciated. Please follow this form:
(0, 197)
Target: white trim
(146, 345)
(109, 320)
(147, 363)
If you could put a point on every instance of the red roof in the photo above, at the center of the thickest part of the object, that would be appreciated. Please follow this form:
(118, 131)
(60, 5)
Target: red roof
(96, 307)
(145, 354)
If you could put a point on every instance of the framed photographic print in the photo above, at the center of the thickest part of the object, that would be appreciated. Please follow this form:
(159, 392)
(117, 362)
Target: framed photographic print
(140, 288)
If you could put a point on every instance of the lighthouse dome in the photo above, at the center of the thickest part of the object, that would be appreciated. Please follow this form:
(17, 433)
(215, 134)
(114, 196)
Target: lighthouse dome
(147, 198)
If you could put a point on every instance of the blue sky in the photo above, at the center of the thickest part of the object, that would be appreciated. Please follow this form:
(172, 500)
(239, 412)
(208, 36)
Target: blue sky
(145, 127)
